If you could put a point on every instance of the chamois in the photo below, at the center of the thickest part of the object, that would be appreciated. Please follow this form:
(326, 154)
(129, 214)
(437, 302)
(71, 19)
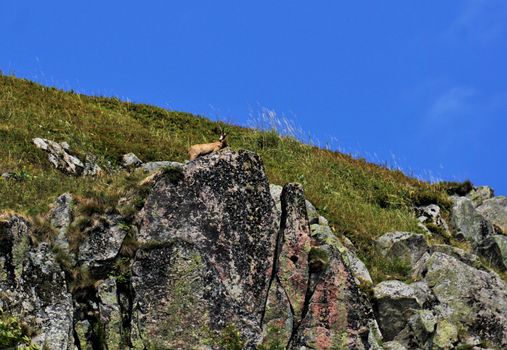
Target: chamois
(205, 148)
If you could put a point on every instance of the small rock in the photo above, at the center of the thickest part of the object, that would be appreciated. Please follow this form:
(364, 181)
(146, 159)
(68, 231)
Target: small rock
(431, 217)
(406, 246)
(130, 161)
(91, 168)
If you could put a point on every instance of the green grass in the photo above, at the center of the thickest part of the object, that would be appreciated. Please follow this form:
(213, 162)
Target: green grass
(361, 200)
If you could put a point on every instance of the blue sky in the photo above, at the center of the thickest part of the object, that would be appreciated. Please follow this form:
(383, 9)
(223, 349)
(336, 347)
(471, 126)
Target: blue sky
(420, 85)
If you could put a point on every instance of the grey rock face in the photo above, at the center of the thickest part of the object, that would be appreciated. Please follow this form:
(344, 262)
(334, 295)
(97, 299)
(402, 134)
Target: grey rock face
(337, 315)
(217, 210)
(326, 310)
(324, 235)
(102, 242)
(278, 321)
(406, 246)
(468, 223)
(46, 304)
(151, 166)
(494, 249)
(395, 303)
(14, 244)
(131, 161)
(495, 210)
(357, 267)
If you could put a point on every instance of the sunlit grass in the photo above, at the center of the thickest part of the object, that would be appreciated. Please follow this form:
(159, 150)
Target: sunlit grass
(362, 200)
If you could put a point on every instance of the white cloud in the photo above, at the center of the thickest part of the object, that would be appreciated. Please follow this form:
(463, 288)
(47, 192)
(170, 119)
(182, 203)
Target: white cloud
(454, 103)
(480, 20)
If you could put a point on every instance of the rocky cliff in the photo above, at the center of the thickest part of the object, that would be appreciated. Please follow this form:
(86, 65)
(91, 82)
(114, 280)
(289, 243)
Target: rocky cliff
(209, 255)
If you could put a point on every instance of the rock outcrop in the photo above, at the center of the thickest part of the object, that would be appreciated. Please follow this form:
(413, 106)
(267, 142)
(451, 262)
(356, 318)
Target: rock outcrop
(217, 258)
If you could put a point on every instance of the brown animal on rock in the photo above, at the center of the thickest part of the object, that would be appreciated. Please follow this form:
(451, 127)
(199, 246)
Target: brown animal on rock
(202, 149)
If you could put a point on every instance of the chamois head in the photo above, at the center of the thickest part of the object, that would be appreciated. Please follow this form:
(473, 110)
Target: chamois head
(223, 135)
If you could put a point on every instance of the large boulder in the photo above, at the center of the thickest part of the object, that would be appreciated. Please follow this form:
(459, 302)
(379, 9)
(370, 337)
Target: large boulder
(495, 210)
(468, 223)
(470, 299)
(404, 246)
(209, 239)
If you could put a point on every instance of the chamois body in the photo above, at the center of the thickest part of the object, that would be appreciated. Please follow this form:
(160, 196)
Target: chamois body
(206, 148)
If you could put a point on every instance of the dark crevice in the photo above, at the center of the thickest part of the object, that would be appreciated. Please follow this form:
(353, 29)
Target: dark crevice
(313, 280)
(86, 301)
(125, 297)
(276, 255)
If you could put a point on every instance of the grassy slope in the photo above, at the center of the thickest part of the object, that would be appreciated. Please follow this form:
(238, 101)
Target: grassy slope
(362, 200)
